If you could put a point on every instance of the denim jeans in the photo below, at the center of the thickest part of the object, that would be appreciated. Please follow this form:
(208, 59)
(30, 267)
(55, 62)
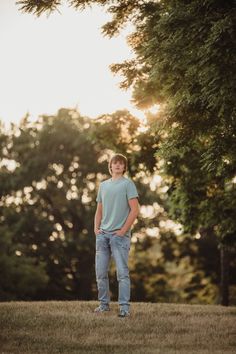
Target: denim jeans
(110, 245)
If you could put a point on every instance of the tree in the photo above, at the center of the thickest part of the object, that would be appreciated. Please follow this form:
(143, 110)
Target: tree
(21, 277)
(194, 75)
(53, 181)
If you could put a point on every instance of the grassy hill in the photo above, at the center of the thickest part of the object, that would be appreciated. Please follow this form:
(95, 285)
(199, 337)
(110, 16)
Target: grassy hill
(72, 327)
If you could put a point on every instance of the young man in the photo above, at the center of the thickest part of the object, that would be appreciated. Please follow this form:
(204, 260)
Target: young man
(117, 210)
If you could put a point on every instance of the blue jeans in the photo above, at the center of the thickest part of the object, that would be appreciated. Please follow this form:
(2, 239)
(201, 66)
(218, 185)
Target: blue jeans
(110, 245)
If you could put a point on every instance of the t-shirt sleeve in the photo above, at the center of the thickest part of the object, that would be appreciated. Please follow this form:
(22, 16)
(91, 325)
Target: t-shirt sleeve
(99, 195)
(132, 190)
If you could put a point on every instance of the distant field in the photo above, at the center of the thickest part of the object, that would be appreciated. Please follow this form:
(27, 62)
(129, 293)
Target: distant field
(72, 327)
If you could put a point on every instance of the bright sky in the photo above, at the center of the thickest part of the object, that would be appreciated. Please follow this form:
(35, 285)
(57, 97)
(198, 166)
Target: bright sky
(59, 61)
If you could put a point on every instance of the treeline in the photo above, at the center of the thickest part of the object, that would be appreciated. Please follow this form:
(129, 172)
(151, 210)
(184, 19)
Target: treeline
(50, 171)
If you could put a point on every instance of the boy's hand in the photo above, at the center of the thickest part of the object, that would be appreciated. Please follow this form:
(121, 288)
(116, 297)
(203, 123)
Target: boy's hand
(119, 233)
(97, 231)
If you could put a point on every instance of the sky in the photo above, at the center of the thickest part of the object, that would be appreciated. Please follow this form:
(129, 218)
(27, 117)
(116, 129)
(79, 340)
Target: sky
(61, 60)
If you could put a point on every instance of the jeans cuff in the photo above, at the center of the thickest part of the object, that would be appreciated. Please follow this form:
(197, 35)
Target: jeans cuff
(124, 307)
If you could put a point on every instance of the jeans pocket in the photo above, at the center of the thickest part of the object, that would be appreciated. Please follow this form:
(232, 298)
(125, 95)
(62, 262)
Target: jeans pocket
(123, 236)
(99, 234)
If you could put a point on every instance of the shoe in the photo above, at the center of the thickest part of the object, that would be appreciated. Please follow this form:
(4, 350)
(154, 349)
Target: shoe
(124, 313)
(102, 308)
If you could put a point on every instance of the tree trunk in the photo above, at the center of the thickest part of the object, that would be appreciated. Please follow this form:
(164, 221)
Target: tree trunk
(224, 265)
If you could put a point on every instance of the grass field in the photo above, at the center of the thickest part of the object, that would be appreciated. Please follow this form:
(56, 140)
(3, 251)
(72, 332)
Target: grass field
(72, 327)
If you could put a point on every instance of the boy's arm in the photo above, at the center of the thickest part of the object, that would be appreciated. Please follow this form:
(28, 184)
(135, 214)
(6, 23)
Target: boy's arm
(98, 218)
(134, 211)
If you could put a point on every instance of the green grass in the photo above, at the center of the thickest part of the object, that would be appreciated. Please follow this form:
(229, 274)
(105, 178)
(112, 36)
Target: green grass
(72, 327)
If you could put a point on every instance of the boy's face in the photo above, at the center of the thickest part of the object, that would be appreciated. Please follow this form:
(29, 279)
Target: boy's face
(117, 167)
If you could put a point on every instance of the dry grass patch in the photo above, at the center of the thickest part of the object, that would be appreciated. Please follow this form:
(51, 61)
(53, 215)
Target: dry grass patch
(72, 327)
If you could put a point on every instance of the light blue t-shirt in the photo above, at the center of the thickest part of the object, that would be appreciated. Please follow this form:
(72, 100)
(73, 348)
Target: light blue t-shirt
(114, 196)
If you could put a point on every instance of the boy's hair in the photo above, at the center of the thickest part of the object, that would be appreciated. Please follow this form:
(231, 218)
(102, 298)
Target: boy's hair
(118, 157)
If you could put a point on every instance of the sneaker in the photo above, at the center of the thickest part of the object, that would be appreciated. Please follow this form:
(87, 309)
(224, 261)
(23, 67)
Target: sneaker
(124, 313)
(102, 308)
